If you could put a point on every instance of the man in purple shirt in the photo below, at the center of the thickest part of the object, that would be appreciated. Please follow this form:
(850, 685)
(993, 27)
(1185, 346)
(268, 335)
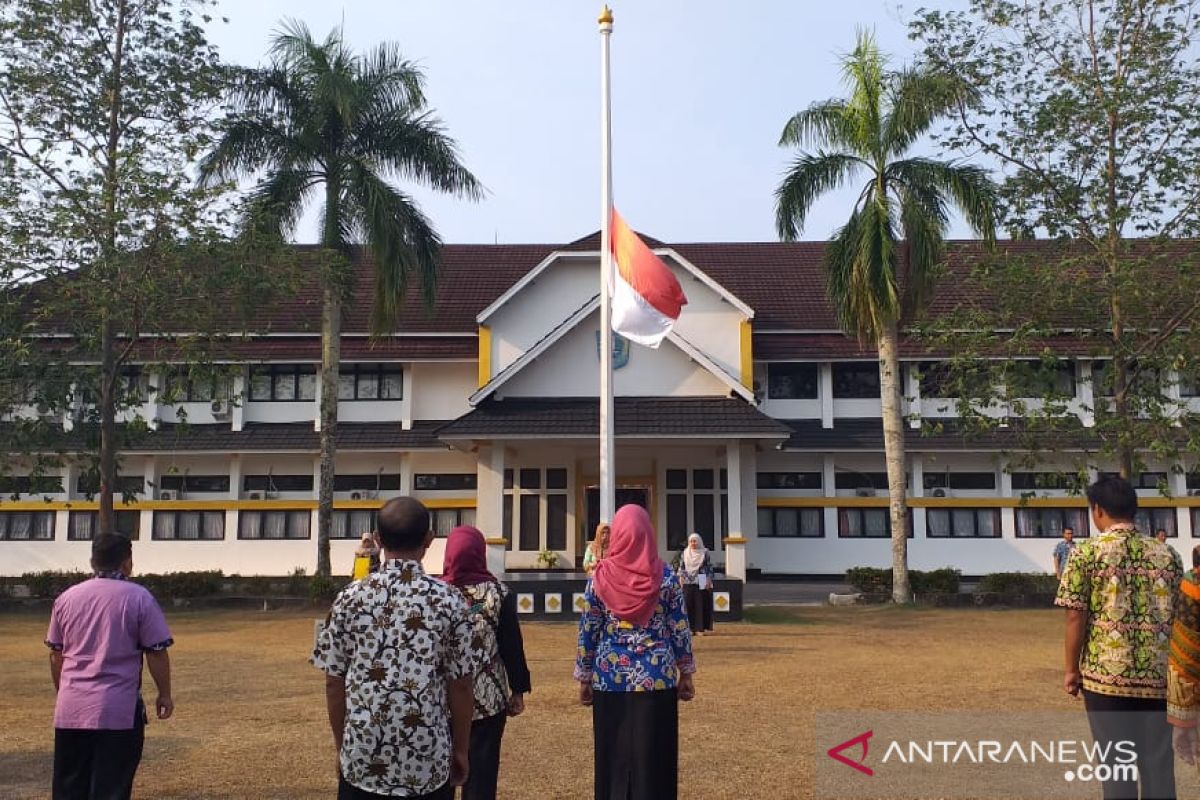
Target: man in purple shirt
(99, 631)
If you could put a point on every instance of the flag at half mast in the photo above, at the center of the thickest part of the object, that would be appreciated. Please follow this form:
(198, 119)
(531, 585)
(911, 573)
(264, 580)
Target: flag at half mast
(646, 296)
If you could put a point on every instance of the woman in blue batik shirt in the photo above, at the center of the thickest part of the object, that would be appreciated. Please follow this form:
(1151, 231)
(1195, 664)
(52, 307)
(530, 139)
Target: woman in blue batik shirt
(635, 664)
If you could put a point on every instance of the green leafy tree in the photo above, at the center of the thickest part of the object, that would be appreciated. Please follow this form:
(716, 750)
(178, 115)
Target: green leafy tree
(104, 106)
(321, 118)
(1092, 109)
(882, 265)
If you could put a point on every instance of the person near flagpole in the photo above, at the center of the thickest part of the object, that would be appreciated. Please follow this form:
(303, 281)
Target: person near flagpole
(694, 564)
(634, 664)
(596, 548)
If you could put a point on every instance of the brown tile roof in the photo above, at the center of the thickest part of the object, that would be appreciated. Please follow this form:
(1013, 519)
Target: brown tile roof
(634, 417)
(770, 346)
(308, 348)
(867, 434)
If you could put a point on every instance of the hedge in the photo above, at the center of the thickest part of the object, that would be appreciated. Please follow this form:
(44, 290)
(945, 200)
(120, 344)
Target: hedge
(873, 580)
(1017, 583)
(178, 585)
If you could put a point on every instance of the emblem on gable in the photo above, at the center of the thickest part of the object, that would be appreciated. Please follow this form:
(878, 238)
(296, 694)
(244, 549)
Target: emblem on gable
(620, 350)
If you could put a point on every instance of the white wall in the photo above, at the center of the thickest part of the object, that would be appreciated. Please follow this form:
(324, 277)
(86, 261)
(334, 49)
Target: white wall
(440, 389)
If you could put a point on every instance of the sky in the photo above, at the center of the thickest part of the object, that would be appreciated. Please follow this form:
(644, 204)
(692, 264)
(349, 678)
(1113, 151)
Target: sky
(701, 90)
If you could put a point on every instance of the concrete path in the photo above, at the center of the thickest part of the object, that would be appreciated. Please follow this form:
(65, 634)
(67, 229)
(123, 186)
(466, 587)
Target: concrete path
(791, 593)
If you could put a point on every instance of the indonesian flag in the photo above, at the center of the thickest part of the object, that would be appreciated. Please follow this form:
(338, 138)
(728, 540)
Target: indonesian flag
(646, 297)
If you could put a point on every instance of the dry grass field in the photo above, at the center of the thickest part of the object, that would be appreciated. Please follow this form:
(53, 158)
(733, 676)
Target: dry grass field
(250, 717)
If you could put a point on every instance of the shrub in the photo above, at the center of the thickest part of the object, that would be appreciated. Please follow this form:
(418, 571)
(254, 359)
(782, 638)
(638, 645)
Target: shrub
(324, 589)
(183, 584)
(873, 580)
(52, 583)
(1017, 583)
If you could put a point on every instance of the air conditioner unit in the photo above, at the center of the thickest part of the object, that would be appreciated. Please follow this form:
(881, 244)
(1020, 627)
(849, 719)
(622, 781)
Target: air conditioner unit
(938, 493)
(220, 409)
(863, 491)
(255, 495)
(168, 494)
(1193, 492)
(356, 495)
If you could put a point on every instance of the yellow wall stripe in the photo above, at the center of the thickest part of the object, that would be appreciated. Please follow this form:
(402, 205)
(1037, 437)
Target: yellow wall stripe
(485, 355)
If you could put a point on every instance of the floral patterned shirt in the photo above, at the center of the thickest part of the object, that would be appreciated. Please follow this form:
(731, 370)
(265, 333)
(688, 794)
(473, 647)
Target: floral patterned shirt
(619, 656)
(1127, 584)
(491, 679)
(397, 637)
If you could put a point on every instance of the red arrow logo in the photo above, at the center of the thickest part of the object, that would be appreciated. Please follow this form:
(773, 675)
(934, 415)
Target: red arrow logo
(863, 739)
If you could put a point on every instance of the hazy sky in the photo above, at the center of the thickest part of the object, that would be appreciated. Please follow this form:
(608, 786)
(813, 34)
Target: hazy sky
(701, 90)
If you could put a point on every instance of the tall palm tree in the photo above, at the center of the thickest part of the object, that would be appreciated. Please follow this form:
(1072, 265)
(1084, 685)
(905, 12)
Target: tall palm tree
(882, 264)
(321, 117)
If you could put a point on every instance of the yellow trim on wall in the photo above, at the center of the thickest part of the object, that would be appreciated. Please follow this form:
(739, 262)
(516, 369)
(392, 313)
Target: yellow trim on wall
(218, 505)
(963, 502)
(747, 355)
(485, 355)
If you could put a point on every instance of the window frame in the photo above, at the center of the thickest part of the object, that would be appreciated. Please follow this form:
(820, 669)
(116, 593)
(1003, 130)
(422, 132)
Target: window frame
(802, 383)
(6, 518)
(290, 515)
(467, 481)
(976, 512)
(718, 491)
(861, 510)
(176, 514)
(377, 371)
(512, 527)
(860, 367)
(273, 371)
(94, 524)
(1079, 512)
(800, 511)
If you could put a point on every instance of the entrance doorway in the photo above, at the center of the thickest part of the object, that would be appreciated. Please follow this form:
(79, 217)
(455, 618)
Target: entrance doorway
(625, 495)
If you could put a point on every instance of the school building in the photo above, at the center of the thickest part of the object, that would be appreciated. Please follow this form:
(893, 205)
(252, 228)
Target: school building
(756, 424)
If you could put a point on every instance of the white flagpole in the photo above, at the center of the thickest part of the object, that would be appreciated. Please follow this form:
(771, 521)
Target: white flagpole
(607, 446)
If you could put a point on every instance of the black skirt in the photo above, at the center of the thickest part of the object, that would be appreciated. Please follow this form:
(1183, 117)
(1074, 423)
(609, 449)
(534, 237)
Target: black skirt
(637, 745)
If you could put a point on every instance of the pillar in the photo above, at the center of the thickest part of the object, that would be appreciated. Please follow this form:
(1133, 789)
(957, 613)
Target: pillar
(734, 542)
(489, 509)
(825, 392)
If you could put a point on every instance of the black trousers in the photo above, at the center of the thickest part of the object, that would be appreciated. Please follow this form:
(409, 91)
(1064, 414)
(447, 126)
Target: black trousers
(699, 607)
(637, 745)
(96, 765)
(1143, 722)
(347, 791)
(485, 758)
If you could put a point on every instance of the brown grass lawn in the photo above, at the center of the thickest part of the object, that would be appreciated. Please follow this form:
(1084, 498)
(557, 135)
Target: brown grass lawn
(250, 717)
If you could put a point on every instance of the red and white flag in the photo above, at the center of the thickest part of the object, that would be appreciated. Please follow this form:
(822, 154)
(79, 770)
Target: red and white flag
(646, 296)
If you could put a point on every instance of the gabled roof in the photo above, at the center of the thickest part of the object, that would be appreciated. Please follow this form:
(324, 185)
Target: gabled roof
(635, 417)
(702, 358)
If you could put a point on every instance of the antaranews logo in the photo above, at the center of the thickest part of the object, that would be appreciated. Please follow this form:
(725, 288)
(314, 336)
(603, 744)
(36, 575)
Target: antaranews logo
(837, 752)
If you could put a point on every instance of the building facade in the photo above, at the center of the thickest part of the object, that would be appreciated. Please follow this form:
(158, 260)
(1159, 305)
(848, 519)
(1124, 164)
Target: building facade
(755, 424)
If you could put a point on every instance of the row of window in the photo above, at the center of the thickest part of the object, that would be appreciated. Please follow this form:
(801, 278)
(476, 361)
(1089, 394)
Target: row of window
(210, 525)
(219, 484)
(797, 380)
(950, 523)
(963, 481)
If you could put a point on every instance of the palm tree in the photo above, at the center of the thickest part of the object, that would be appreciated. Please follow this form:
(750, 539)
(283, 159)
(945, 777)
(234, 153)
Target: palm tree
(322, 117)
(882, 264)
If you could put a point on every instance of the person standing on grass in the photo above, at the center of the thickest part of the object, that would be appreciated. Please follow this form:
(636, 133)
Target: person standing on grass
(1183, 665)
(99, 632)
(696, 573)
(596, 548)
(396, 652)
(501, 672)
(1062, 551)
(634, 664)
(1119, 589)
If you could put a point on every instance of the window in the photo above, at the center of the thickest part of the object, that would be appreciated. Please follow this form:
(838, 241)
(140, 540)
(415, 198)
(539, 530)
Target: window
(272, 484)
(24, 526)
(369, 482)
(184, 387)
(864, 523)
(962, 523)
(1035, 481)
(82, 526)
(370, 382)
(1151, 520)
(935, 380)
(189, 525)
(1147, 380)
(26, 484)
(1032, 379)
(88, 485)
(1048, 523)
(789, 480)
(199, 484)
(1189, 385)
(789, 523)
(856, 381)
(283, 383)
(1144, 480)
(849, 479)
(965, 481)
(444, 520)
(274, 524)
(352, 523)
(535, 500)
(792, 381)
(446, 481)
(694, 499)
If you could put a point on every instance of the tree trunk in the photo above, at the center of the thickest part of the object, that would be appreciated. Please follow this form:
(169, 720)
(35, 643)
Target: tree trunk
(893, 446)
(331, 331)
(109, 367)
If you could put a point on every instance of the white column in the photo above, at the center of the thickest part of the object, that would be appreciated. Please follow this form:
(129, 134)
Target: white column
(233, 515)
(316, 405)
(489, 503)
(917, 489)
(735, 542)
(829, 488)
(1008, 515)
(406, 474)
(913, 391)
(1087, 395)
(150, 478)
(825, 392)
(407, 404)
(239, 396)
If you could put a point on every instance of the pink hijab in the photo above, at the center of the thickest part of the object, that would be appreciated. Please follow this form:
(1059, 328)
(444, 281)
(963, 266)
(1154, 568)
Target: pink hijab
(629, 577)
(466, 558)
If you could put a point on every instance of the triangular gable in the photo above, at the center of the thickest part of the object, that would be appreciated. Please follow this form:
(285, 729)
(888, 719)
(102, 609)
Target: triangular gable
(545, 264)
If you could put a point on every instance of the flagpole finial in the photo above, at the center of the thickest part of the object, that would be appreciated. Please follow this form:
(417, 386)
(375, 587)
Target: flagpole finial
(606, 17)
